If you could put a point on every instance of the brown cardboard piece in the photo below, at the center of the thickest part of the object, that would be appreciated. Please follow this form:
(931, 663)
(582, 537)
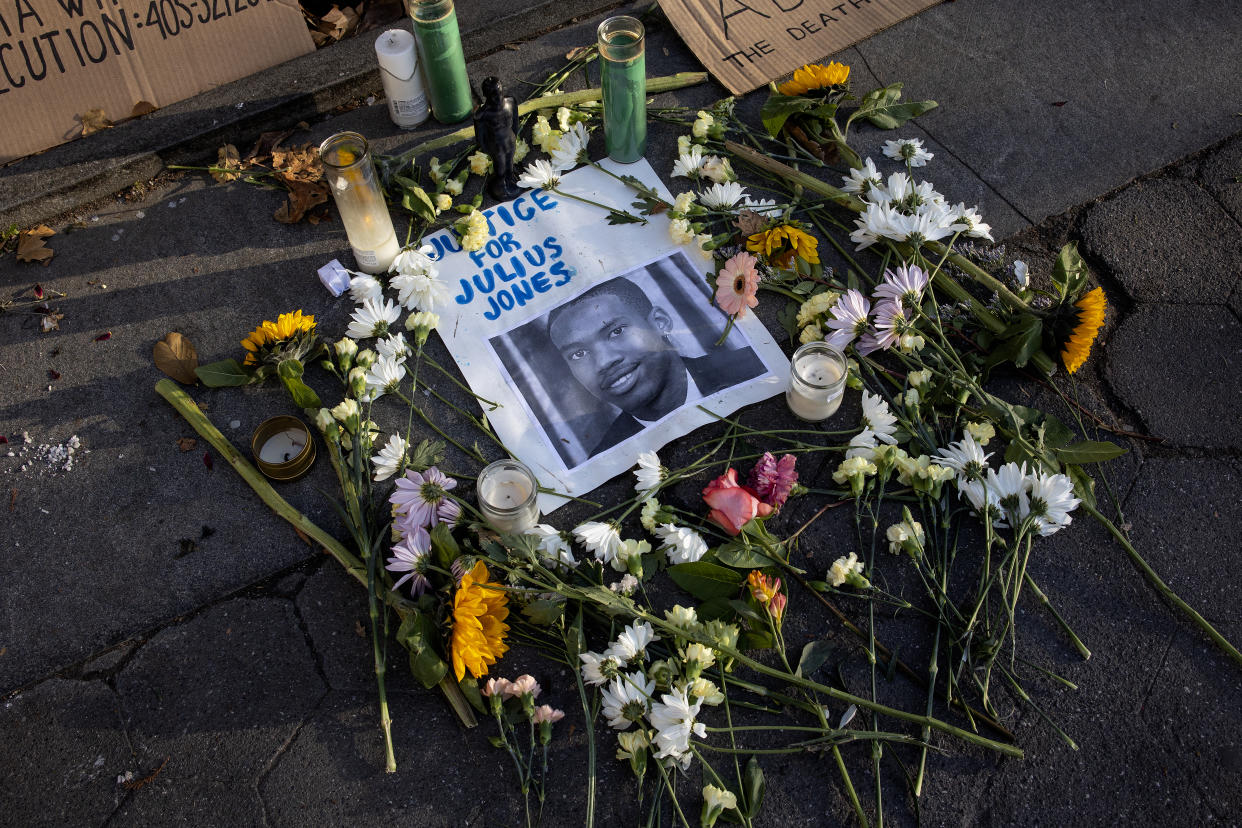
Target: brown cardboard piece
(746, 43)
(60, 59)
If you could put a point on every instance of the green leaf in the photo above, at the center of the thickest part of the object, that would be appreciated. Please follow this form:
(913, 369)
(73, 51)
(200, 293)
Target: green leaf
(813, 657)
(1018, 343)
(788, 318)
(706, 580)
(226, 372)
(416, 200)
(575, 639)
(1089, 451)
(753, 787)
(470, 689)
(303, 395)
(425, 454)
(714, 609)
(779, 108)
(544, 613)
(622, 217)
(1070, 273)
(444, 545)
(884, 109)
(419, 635)
(751, 640)
(741, 554)
(746, 611)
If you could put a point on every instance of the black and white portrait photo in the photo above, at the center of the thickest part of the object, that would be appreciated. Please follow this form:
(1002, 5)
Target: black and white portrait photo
(623, 355)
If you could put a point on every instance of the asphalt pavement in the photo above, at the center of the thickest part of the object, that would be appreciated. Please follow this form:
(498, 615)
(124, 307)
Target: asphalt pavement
(172, 653)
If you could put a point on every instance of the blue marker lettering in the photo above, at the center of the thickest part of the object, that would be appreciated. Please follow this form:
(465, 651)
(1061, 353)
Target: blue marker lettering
(522, 292)
(467, 293)
(554, 249)
(494, 313)
(542, 200)
(530, 256)
(559, 269)
(540, 282)
(517, 209)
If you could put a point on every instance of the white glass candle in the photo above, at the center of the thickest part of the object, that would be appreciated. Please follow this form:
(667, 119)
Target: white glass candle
(403, 83)
(283, 446)
(508, 495)
(360, 201)
(816, 381)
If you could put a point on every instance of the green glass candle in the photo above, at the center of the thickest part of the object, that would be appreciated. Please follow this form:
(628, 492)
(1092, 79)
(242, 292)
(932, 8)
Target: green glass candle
(623, 66)
(442, 59)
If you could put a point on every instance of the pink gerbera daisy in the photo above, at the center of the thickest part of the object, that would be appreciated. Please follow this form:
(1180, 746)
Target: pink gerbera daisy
(736, 284)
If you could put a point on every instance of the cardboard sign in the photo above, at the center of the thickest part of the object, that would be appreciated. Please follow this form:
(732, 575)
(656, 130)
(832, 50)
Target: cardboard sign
(598, 342)
(60, 59)
(746, 43)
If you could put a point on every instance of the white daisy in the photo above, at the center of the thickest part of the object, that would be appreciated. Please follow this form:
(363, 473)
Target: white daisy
(1051, 500)
(722, 196)
(571, 150)
(862, 179)
(413, 260)
(384, 377)
(648, 474)
(373, 318)
(626, 699)
(552, 545)
(673, 717)
(681, 544)
(908, 150)
(1011, 485)
(877, 417)
(631, 644)
(863, 444)
(966, 457)
(422, 291)
(689, 164)
(904, 286)
(762, 206)
(601, 539)
(394, 347)
(363, 287)
(389, 459)
(540, 174)
(969, 221)
(597, 668)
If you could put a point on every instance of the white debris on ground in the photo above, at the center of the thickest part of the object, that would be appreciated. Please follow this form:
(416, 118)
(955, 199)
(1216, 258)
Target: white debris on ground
(44, 457)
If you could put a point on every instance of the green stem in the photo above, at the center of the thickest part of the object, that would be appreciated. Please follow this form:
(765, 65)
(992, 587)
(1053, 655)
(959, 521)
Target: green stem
(1043, 599)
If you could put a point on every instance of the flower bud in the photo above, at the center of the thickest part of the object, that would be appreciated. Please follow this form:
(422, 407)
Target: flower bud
(365, 359)
(345, 349)
(357, 381)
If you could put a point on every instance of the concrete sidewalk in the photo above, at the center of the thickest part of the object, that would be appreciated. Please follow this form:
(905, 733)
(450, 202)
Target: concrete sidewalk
(157, 616)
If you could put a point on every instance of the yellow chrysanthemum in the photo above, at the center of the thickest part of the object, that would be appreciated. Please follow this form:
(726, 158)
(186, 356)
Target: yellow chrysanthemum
(1091, 310)
(800, 243)
(286, 327)
(815, 76)
(479, 611)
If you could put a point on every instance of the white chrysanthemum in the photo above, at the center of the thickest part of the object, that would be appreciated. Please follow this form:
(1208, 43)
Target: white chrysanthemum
(389, 459)
(600, 539)
(863, 444)
(762, 206)
(626, 699)
(648, 474)
(903, 286)
(967, 220)
(877, 417)
(966, 457)
(673, 717)
(722, 196)
(849, 319)
(373, 318)
(878, 221)
(421, 291)
(862, 179)
(571, 150)
(394, 347)
(632, 643)
(681, 544)
(909, 151)
(384, 377)
(598, 668)
(1011, 485)
(363, 287)
(689, 164)
(552, 545)
(625, 586)
(540, 174)
(1051, 499)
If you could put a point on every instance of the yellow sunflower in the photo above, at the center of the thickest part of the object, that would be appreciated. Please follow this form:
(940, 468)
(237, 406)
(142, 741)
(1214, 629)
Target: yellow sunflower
(769, 242)
(287, 326)
(1077, 348)
(479, 611)
(815, 76)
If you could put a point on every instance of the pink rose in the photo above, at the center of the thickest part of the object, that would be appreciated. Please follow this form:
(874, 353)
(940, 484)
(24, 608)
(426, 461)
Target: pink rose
(732, 506)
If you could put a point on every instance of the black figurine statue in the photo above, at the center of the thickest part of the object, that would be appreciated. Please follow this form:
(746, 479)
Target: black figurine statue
(495, 130)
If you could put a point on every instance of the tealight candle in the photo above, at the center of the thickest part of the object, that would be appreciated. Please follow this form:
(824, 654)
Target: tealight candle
(816, 381)
(403, 85)
(282, 447)
(508, 495)
(360, 201)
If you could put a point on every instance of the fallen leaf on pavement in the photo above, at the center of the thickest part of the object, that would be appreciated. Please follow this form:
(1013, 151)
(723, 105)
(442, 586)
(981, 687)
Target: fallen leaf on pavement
(228, 165)
(175, 356)
(303, 196)
(186, 443)
(31, 246)
(750, 222)
(94, 120)
(297, 164)
(51, 321)
(142, 108)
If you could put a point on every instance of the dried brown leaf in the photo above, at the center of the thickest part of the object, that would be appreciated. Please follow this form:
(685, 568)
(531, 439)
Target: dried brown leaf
(186, 443)
(338, 22)
(297, 164)
(267, 142)
(577, 52)
(142, 108)
(227, 160)
(49, 322)
(175, 356)
(94, 120)
(32, 247)
(303, 195)
(750, 222)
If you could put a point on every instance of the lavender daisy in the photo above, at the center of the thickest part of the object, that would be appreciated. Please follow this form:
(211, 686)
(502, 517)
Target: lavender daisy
(423, 498)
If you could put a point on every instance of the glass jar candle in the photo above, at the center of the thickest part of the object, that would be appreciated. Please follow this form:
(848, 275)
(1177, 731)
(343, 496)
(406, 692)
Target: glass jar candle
(508, 493)
(360, 201)
(816, 381)
(442, 59)
(403, 83)
(623, 69)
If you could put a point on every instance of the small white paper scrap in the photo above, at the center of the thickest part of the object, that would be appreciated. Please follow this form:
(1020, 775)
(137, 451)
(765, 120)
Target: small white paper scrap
(334, 277)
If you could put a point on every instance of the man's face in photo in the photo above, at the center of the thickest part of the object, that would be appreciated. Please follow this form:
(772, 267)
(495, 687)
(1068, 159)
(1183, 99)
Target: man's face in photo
(615, 351)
